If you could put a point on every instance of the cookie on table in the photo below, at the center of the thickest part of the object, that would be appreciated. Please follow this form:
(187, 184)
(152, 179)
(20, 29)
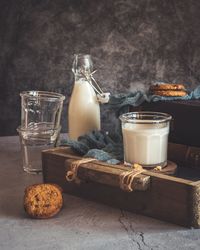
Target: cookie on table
(43, 201)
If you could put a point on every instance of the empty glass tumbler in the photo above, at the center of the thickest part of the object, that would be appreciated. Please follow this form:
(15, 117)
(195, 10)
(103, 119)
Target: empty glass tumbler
(40, 126)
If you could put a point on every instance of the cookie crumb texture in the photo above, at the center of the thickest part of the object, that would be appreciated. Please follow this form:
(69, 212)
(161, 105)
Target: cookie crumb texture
(43, 200)
(178, 93)
(167, 86)
(168, 89)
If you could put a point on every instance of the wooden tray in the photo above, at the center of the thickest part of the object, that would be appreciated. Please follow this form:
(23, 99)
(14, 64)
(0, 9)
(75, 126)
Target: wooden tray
(170, 198)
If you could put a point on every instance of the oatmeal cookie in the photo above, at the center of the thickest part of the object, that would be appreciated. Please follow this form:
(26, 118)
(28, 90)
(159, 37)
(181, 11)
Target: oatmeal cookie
(43, 200)
(167, 86)
(174, 93)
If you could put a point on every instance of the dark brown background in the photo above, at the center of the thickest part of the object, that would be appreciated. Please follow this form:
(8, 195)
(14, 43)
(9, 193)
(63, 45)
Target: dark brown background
(133, 43)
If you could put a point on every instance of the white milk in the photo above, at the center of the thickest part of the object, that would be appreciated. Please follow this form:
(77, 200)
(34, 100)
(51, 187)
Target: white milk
(145, 144)
(84, 110)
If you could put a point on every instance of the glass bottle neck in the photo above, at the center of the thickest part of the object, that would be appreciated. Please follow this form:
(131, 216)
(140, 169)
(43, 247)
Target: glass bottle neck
(82, 78)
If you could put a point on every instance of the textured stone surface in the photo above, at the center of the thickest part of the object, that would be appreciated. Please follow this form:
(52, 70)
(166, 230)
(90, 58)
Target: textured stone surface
(81, 224)
(133, 43)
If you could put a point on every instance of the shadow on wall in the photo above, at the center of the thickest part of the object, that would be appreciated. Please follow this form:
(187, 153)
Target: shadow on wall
(133, 43)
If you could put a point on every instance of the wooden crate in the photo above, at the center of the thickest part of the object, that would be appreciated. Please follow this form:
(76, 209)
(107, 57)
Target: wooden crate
(174, 199)
(185, 124)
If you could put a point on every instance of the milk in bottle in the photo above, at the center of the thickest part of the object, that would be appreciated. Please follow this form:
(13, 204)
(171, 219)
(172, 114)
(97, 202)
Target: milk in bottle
(84, 109)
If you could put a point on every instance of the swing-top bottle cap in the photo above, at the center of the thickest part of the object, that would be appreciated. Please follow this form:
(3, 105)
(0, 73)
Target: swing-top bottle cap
(82, 64)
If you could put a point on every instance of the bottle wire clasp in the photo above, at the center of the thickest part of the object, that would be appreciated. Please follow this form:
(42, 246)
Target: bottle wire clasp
(102, 97)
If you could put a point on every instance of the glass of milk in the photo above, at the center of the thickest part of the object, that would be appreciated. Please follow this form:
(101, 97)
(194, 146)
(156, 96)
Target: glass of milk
(145, 138)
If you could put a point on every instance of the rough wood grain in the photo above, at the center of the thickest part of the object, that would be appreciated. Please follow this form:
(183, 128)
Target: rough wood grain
(168, 198)
(108, 175)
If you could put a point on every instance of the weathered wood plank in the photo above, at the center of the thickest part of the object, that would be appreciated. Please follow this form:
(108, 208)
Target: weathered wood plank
(168, 198)
(107, 175)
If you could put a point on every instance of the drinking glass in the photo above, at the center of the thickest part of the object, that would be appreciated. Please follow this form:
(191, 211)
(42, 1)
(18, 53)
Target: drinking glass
(40, 126)
(145, 138)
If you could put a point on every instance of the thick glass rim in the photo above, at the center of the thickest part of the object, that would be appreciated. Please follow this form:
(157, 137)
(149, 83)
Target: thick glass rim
(145, 117)
(50, 96)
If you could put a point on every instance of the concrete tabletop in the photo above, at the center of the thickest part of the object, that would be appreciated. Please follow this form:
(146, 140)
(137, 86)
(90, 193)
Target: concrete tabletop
(81, 224)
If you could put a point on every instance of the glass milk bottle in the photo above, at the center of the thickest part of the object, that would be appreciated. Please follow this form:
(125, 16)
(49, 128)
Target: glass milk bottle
(84, 109)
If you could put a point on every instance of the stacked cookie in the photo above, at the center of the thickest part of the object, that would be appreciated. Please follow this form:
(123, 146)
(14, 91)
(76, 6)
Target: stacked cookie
(168, 89)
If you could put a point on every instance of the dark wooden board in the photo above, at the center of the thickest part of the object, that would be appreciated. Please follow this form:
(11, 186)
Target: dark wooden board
(185, 119)
(167, 198)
